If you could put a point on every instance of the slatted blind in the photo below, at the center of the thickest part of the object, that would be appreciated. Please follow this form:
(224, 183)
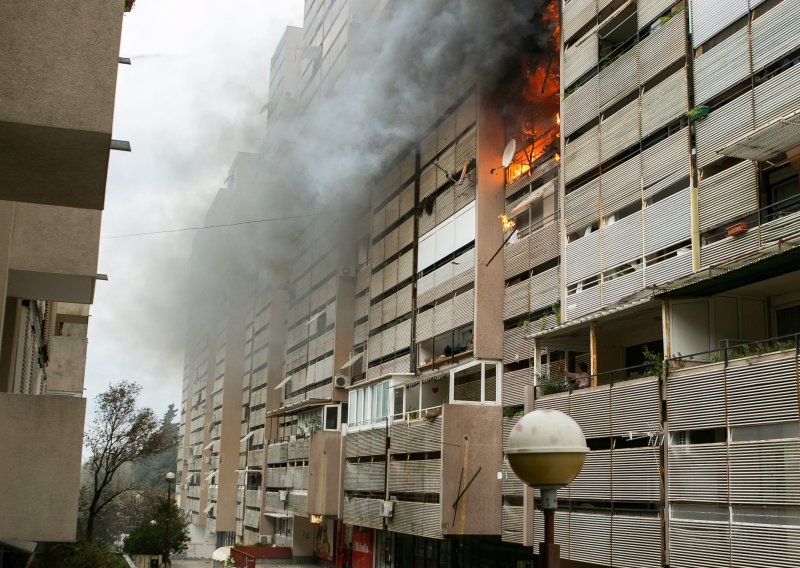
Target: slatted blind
(712, 16)
(722, 66)
(730, 194)
(422, 519)
(775, 33)
(622, 241)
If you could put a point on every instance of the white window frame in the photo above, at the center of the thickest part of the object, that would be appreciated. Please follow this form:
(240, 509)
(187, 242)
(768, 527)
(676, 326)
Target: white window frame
(364, 418)
(498, 382)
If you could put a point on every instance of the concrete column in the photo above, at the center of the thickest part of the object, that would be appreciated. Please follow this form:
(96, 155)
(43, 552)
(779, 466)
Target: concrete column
(489, 205)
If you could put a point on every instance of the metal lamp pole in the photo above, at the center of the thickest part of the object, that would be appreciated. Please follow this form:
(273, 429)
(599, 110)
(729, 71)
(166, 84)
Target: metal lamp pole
(170, 479)
(546, 449)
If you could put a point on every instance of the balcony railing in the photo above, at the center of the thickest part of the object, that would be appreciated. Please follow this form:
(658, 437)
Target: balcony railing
(731, 349)
(557, 382)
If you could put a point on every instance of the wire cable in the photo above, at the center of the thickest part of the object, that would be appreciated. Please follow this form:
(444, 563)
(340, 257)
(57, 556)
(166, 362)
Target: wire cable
(218, 226)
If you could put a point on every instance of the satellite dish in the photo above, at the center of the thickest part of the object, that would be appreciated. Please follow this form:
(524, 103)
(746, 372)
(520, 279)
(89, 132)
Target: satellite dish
(508, 153)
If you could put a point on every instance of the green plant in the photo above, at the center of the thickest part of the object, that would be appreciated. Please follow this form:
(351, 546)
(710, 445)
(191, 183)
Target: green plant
(698, 113)
(557, 311)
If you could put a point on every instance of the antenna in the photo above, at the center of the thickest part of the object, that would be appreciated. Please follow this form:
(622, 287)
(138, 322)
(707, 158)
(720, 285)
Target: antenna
(508, 154)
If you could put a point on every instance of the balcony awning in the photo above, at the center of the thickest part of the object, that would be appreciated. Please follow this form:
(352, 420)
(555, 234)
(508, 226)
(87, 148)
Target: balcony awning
(210, 475)
(248, 436)
(352, 361)
(209, 446)
(280, 515)
(768, 141)
(298, 406)
(777, 261)
(525, 203)
(208, 508)
(283, 383)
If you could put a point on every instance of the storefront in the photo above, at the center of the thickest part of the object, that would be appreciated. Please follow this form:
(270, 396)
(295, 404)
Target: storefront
(464, 552)
(356, 547)
(325, 530)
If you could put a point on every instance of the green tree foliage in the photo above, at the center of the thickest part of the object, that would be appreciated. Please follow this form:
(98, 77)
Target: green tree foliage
(79, 555)
(163, 522)
(120, 434)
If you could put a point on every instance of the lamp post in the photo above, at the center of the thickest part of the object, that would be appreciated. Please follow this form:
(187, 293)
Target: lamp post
(546, 449)
(169, 477)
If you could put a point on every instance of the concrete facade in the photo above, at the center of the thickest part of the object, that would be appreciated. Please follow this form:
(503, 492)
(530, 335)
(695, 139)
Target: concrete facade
(58, 68)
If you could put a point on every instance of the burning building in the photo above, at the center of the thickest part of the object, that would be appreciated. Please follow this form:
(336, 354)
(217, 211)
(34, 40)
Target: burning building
(391, 340)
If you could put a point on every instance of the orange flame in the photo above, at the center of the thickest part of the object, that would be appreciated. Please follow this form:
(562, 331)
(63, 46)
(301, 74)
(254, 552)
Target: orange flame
(557, 158)
(558, 118)
(507, 223)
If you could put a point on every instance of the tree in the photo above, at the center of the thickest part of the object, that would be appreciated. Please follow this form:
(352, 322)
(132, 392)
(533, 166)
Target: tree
(150, 534)
(120, 434)
(149, 472)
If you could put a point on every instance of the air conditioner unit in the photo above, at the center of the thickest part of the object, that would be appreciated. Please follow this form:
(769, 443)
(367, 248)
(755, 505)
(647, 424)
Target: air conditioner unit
(341, 382)
(347, 271)
(265, 539)
(387, 509)
(282, 495)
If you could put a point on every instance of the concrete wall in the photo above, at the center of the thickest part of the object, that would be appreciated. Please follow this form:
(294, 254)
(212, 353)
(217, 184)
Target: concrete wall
(325, 473)
(489, 204)
(40, 447)
(67, 364)
(53, 253)
(472, 443)
(59, 64)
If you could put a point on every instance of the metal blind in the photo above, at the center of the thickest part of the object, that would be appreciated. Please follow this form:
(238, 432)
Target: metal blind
(622, 241)
(583, 258)
(580, 107)
(665, 163)
(579, 58)
(777, 97)
(512, 522)
(664, 102)
(775, 33)
(582, 206)
(722, 66)
(619, 287)
(422, 519)
(667, 222)
(698, 472)
(649, 9)
(619, 131)
(514, 383)
(662, 48)
(636, 542)
(729, 194)
(414, 437)
(575, 15)
(712, 16)
(415, 476)
(622, 185)
(619, 79)
(581, 154)
(726, 123)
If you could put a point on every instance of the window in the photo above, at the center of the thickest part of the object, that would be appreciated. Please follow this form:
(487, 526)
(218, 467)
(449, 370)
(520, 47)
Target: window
(447, 237)
(477, 382)
(787, 321)
(369, 405)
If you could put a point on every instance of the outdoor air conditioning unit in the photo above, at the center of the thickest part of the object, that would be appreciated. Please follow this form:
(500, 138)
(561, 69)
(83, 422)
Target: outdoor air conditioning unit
(341, 382)
(387, 509)
(282, 495)
(347, 271)
(265, 539)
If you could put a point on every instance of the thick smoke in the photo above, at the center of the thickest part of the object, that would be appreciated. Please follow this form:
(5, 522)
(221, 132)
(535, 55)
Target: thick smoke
(408, 65)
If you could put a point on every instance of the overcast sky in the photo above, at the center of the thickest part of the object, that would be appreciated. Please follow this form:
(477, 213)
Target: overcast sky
(189, 102)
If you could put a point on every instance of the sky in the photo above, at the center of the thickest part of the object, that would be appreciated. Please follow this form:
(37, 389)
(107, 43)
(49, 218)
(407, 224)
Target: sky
(188, 103)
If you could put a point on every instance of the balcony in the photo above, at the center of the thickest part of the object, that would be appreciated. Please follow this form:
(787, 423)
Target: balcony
(41, 476)
(55, 135)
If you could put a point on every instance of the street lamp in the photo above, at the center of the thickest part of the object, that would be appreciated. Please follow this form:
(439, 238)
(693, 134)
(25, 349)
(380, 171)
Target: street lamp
(169, 477)
(546, 449)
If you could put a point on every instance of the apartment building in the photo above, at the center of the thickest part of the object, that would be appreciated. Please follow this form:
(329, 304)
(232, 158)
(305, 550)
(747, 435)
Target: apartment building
(632, 266)
(57, 95)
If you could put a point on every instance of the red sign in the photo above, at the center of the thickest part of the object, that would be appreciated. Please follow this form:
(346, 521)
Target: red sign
(362, 548)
